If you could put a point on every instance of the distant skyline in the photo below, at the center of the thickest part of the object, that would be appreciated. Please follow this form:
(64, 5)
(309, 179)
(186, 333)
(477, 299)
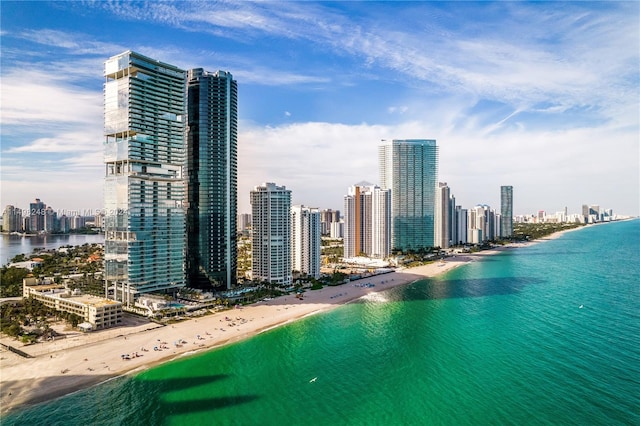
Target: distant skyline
(541, 96)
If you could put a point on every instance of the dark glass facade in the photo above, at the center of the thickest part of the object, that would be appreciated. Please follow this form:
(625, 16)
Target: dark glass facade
(506, 211)
(212, 170)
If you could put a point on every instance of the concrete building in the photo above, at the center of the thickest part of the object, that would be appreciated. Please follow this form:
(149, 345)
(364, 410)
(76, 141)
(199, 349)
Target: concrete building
(481, 224)
(12, 219)
(244, 223)
(352, 222)
(380, 223)
(50, 220)
(77, 222)
(461, 225)
(453, 228)
(271, 234)
(99, 220)
(367, 221)
(144, 189)
(585, 213)
(305, 240)
(409, 168)
(212, 169)
(327, 218)
(99, 312)
(443, 216)
(64, 224)
(337, 230)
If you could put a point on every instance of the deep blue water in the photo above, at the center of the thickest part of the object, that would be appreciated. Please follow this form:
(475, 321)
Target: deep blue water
(547, 334)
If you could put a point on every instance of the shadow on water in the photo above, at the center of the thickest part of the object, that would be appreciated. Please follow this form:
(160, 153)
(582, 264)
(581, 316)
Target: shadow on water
(464, 288)
(204, 404)
(160, 390)
(174, 384)
(148, 398)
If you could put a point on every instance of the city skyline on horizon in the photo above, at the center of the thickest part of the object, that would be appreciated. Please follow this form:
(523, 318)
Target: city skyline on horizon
(93, 212)
(314, 104)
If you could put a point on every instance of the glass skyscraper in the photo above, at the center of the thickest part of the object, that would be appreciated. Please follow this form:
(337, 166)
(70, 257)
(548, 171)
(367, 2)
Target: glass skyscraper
(144, 190)
(212, 168)
(410, 169)
(506, 211)
(36, 215)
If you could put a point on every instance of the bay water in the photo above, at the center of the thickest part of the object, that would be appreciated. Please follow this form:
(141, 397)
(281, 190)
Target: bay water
(13, 245)
(539, 335)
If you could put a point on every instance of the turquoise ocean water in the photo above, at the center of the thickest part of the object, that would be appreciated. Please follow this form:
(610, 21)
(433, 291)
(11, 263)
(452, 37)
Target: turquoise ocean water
(547, 334)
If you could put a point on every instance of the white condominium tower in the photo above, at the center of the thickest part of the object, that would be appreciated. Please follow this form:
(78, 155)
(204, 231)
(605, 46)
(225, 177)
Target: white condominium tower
(410, 169)
(462, 226)
(271, 234)
(144, 190)
(443, 216)
(12, 219)
(305, 240)
(367, 221)
(482, 222)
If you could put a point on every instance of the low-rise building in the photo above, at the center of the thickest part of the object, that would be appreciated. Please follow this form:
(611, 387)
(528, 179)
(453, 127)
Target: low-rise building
(97, 311)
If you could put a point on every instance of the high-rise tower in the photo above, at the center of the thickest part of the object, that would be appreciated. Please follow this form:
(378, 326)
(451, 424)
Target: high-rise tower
(410, 169)
(506, 211)
(271, 234)
(367, 221)
(306, 238)
(144, 191)
(37, 211)
(12, 219)
(212, 168)
(443, 216)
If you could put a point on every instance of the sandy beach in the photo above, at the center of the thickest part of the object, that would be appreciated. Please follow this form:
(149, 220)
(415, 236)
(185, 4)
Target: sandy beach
(61, 367)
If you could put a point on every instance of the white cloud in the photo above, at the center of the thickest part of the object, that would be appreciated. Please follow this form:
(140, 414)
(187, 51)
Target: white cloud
(63, 142)
(396, 109)
(531, 58)
(36, 97)
(520, 53)
(74, 43)
(318, 161)
(270, 77)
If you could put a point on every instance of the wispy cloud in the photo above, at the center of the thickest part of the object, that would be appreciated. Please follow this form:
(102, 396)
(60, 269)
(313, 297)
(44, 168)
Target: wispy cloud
(73, 42)
(270, 77)
(525, 96)
(38, 97)
(63, 142)
(221, 18)
(499, 62)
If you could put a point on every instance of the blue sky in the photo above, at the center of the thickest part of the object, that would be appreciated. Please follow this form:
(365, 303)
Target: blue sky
(543, 96)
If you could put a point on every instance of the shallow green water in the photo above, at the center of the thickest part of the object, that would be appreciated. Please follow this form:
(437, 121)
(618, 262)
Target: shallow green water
(547, 334)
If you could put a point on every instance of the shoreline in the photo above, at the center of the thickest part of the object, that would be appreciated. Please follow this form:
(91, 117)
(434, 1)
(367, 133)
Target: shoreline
(95, 358)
